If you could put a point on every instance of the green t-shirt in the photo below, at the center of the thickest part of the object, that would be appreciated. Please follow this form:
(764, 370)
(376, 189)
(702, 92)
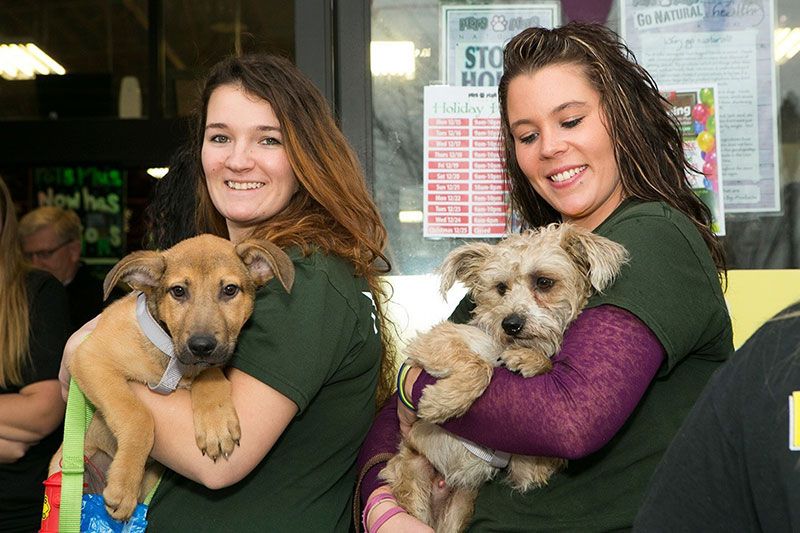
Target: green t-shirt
(671, 284)
(320, 347)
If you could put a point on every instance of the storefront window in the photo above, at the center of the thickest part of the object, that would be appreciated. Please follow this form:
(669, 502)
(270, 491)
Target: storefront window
(103, 64)
(744, 51)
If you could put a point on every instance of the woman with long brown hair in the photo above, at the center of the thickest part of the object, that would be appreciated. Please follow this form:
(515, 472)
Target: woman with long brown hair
(588, 140)
(267, 160)
(33, 329)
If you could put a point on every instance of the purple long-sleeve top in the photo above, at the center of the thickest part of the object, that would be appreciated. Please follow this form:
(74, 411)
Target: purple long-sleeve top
(607, 360)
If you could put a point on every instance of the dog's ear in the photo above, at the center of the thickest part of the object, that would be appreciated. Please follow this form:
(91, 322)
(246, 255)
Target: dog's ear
(264, 260)
(599, 257)
(141, 270)
(463, 264)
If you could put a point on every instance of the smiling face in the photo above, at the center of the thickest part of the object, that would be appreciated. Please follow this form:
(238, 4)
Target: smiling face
(247, 170)
(562, 145)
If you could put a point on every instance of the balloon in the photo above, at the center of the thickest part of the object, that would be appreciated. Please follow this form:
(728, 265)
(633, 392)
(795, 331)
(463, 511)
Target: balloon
(698, 127)
(710, 169)
(705, 141)
(710, 110)
(711, 124)
(711, 157)
(707, 96)
(700, 113)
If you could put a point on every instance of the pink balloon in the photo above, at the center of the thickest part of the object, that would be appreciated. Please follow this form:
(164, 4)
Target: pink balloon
(700, 113)
(710, 169)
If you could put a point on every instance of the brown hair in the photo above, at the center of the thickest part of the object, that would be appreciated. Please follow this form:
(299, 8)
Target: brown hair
(648, 146)
(332, 211)
(14, 321)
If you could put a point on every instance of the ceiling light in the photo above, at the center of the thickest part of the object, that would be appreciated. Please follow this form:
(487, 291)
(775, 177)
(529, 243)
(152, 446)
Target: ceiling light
(410, 217)
(787, 44)
(26, 61)
(158, 172)
(392, 58)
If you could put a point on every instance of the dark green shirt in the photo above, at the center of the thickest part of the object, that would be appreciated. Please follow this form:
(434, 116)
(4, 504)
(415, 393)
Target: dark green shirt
(671, 285)
(319, 347)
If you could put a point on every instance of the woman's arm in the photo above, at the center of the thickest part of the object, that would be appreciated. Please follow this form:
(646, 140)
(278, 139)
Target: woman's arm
(12, 451)
(263, 414)
(32, 413)
(606, 363)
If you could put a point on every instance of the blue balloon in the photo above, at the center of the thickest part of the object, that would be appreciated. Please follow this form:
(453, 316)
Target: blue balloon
(698, 127)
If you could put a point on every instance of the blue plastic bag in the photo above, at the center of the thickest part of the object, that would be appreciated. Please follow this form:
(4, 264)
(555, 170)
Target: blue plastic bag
(95, 518)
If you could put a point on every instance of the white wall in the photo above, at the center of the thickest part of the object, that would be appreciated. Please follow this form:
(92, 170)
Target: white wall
(416, 305)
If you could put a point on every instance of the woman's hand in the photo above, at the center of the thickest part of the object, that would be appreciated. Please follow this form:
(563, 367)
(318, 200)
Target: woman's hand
(12, 451)
(401, 522)
(69, 350)
(406, 416)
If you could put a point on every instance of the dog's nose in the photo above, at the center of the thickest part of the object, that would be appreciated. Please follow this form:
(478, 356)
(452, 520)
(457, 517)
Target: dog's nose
(513, 324)
(201, 345)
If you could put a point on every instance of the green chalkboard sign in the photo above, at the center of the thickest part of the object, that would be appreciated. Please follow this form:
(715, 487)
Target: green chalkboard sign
(97, 194)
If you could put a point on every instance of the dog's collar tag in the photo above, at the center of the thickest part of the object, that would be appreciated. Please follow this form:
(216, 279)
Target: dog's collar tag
(155, 334)
(495, 458)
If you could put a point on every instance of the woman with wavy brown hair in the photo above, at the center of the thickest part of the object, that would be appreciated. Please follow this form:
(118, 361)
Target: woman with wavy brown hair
(267, 161)
(33, 329)
(587, 140)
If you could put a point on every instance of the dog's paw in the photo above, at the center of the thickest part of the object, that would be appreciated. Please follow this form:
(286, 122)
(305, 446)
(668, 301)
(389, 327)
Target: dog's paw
(120, 498)
(526, 361)
(528, 472)
(217, 432)
(452, 396)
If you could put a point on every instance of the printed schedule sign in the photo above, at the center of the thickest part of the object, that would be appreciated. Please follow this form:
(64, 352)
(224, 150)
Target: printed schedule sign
(465, 194)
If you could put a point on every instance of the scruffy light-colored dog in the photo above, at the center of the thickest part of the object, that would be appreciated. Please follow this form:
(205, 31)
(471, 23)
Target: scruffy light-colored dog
(527, 289)
(202, 290)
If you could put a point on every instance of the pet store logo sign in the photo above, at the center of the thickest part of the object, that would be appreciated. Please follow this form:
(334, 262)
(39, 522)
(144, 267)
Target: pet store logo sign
(474, 36)
(667, 14)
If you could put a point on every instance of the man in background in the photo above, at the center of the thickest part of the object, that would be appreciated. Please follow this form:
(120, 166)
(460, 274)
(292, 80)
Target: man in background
(51, 241)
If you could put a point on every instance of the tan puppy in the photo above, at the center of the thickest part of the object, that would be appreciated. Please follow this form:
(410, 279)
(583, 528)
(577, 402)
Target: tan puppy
(202, 290)
(527, 289)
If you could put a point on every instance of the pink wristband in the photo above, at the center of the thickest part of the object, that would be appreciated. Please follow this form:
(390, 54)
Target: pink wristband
(372, 501)
(386, 516)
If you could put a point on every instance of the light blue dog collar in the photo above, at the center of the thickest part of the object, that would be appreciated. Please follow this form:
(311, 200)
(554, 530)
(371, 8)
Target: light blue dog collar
(155, 334)
(495, 458)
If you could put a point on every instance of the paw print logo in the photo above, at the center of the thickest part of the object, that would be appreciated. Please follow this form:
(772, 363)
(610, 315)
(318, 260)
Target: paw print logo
(499, 23)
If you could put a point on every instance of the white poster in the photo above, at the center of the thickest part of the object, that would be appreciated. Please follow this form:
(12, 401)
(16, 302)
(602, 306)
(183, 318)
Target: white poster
(473, 38)
(729, 43)
(465, 193)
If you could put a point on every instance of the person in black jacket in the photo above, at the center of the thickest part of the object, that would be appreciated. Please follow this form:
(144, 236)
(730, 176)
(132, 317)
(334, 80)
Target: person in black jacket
(735, 463)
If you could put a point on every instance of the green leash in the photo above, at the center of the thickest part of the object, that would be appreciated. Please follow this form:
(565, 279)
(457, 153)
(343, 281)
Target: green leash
(76, 421)
(79, 414)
